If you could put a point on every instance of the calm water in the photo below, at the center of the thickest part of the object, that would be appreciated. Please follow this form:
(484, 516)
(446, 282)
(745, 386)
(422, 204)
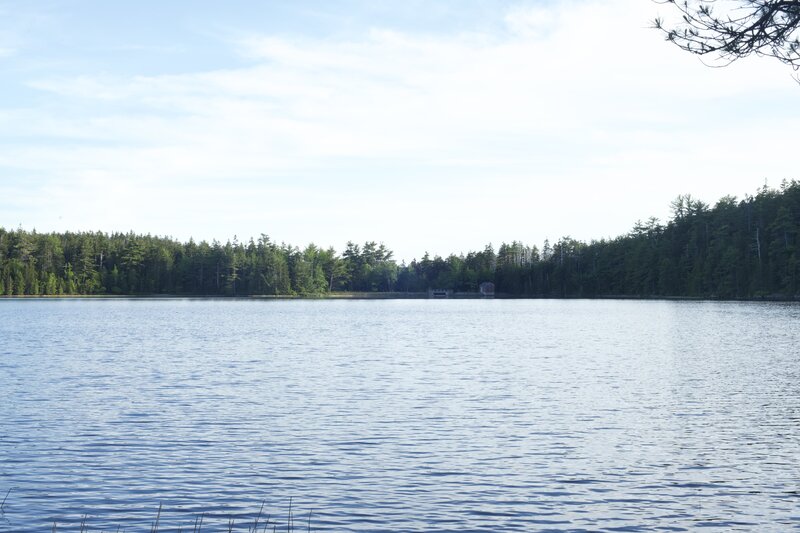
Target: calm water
(422, 415)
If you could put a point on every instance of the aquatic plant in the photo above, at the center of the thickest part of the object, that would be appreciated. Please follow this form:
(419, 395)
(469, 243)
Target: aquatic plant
(261, 524)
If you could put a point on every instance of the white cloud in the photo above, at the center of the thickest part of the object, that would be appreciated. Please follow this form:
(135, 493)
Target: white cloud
(533, 21)
(579, 121)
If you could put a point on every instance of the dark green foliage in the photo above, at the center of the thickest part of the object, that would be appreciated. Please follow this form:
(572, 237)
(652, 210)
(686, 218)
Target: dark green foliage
(736, 249)
(97, 263)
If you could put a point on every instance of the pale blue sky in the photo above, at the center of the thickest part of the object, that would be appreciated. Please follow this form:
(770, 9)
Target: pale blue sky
(435, 125)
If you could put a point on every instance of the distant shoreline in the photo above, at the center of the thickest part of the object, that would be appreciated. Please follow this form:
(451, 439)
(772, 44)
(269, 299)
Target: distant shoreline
(390, 296)
(737, 250)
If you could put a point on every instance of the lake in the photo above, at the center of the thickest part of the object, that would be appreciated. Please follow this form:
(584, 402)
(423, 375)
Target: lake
(400, 415)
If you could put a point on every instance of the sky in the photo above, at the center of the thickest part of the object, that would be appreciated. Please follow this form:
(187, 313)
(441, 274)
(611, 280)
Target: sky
(437, 125)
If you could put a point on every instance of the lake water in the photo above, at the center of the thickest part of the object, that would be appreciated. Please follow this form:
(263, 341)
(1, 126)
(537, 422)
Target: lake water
(419, 415)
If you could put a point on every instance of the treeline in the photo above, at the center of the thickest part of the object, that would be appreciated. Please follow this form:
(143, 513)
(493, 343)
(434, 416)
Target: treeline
(736, 249)
(97, 263)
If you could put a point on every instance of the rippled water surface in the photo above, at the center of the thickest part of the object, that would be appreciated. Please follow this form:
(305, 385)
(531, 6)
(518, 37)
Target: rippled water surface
(400, 415)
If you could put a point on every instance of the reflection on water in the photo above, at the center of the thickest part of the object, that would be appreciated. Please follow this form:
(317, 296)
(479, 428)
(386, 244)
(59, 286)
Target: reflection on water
(400, 415)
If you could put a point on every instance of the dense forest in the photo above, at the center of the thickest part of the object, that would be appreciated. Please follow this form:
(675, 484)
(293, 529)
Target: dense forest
(736, 249)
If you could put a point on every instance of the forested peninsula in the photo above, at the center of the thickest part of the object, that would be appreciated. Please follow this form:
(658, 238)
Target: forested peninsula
(737, 249)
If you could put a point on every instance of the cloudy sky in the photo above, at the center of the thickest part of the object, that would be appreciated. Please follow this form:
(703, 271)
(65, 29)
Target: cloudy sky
(428, 125)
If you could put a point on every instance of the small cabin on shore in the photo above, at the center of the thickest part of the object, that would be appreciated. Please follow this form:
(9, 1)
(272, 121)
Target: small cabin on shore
(487, 289)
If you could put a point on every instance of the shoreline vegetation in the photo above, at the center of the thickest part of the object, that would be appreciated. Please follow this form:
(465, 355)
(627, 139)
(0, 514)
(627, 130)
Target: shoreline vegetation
(745, 249)
(254, 523)
(393, 296)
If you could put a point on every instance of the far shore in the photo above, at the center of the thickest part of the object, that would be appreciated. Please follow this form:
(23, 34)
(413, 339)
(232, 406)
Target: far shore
(391, 296)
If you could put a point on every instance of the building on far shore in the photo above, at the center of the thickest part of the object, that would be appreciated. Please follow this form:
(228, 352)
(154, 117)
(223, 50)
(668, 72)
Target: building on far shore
(487, 289)
(440, 293)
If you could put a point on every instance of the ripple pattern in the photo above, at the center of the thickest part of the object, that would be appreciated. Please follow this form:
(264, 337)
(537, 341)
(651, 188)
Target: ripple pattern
(407, 415)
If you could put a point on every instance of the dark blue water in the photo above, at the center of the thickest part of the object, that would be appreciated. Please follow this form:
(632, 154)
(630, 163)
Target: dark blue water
(400, 415)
